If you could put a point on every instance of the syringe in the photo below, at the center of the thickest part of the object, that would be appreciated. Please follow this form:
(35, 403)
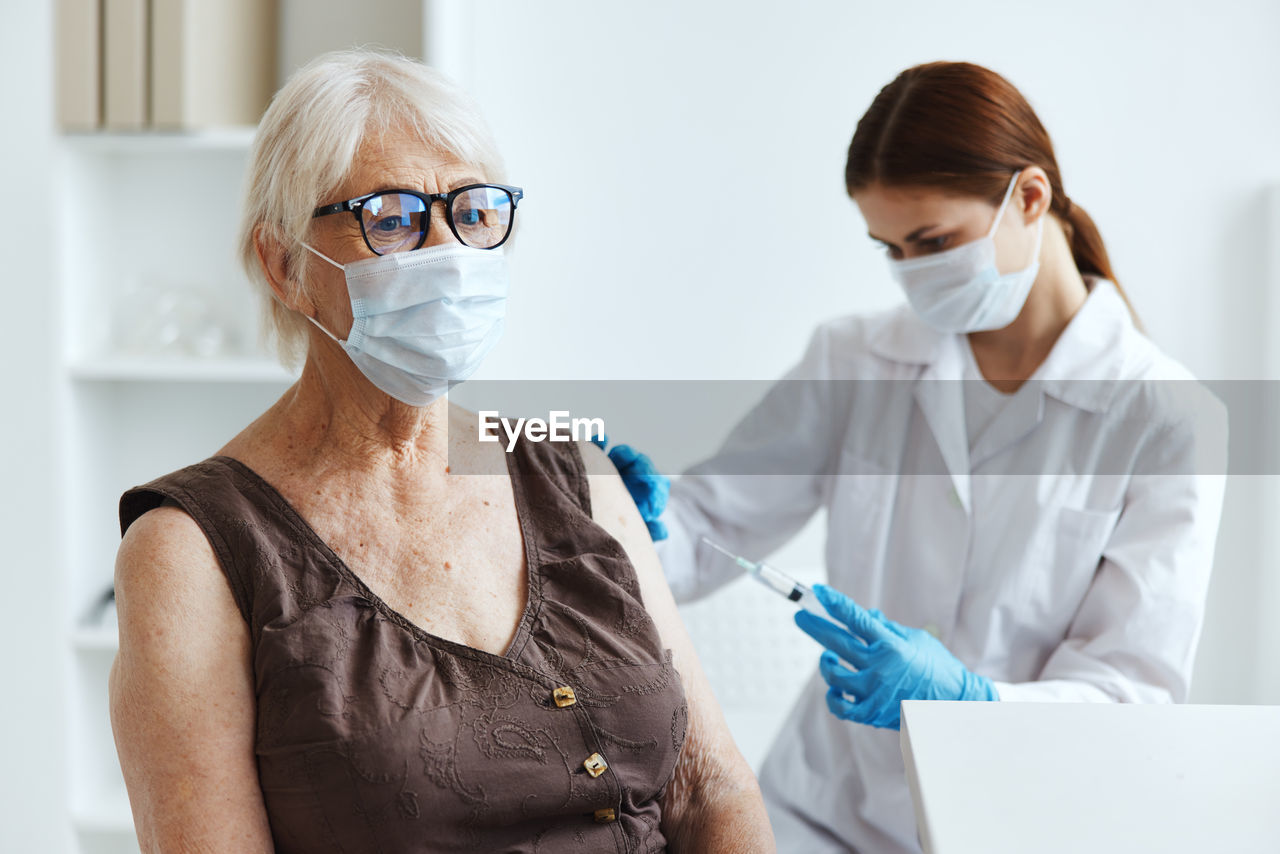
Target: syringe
(776, 580)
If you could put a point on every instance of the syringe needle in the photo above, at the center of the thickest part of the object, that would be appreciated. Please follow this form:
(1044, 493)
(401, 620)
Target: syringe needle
(730, 555)
(776, 580)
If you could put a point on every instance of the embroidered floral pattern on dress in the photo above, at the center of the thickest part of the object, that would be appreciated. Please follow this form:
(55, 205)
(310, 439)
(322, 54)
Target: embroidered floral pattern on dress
(373, 735)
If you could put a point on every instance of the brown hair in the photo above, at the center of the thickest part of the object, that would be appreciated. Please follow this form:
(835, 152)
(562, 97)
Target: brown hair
(963, 128)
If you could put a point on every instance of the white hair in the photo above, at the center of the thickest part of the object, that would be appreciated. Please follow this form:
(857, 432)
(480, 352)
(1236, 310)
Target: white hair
(306, 146)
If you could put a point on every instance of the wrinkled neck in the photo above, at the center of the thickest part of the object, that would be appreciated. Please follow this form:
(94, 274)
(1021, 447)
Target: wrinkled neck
(334, 411)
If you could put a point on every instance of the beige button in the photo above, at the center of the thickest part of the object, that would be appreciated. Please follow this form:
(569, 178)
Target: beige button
(564, 696)
(595, 765)
(606, 815)
(933, 629)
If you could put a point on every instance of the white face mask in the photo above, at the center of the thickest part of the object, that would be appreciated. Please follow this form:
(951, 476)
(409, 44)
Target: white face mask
(424, 320)
(960, 289)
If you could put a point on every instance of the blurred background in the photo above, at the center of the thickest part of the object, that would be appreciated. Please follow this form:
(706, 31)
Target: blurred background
(132, 343)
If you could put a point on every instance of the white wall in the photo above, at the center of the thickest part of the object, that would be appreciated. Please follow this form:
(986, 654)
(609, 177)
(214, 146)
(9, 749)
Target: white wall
(32, 633)
(1165, 126)
(1164, 118)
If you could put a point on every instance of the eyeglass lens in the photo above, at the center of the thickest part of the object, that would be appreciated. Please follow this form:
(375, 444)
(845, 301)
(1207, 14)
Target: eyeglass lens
(397, 222)
(482, 216)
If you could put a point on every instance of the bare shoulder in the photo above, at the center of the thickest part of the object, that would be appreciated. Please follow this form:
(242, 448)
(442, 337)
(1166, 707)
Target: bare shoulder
(181, 693)
(166, 572)
(612, 507)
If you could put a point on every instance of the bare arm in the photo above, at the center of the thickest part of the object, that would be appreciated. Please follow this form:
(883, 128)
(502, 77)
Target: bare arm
(713, 802)
(182, 698)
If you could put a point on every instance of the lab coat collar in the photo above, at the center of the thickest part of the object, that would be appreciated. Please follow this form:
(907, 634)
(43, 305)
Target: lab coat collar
(1093, 352)
(1082, 370)
(940, 396)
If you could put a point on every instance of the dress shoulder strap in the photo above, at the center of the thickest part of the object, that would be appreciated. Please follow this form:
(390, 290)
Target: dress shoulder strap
(262, 558)
(553, 468)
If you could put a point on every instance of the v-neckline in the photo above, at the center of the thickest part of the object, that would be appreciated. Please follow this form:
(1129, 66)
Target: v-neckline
(532, 561)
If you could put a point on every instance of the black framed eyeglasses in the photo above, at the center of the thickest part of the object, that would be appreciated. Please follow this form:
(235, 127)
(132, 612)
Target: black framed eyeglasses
(479, 215)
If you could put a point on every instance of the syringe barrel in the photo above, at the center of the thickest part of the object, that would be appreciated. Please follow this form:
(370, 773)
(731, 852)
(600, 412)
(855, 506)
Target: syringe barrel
(810, 602)
(785, 585)
(777, 581)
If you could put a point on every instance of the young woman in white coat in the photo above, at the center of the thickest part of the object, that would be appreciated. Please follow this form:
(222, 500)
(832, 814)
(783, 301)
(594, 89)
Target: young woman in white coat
(1018, 482)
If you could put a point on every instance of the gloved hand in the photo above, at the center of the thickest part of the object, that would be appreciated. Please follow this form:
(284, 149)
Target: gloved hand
(893, 663)
(648, 488)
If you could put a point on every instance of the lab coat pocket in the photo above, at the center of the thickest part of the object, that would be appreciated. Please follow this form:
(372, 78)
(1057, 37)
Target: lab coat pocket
(1064, 563)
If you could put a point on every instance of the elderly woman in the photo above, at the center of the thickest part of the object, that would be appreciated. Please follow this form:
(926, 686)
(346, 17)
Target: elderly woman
(330, 643)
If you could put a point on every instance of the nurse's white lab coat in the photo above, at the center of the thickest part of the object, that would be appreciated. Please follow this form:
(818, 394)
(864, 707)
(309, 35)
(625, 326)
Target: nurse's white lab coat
(1067, 557)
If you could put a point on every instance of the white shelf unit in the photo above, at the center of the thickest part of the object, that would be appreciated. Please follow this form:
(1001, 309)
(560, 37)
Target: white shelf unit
(241, 369)
(158, 216)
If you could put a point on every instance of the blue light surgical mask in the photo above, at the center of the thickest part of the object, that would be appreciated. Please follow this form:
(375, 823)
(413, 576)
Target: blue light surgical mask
(423, 320)
(960, 290)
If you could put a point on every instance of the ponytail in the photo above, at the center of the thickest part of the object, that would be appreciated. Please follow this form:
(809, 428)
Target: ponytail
(1088, 250)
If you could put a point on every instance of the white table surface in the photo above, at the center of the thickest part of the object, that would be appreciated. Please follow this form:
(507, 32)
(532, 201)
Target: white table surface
(1093, 778)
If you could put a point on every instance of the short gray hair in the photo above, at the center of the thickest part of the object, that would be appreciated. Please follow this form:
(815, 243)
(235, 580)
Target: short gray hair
(306, 146)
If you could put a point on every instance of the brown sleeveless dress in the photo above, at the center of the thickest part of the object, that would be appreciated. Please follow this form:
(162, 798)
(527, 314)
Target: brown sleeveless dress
(376, 736)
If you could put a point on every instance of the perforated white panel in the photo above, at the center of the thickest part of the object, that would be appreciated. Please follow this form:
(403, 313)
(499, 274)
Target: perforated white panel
(754, 656)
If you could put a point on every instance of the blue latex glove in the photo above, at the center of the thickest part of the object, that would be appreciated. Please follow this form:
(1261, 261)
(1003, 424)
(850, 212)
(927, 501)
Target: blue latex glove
(893, 663)
(648, 488)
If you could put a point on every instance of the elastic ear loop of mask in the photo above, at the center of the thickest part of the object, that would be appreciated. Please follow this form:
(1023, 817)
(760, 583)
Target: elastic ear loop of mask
(1000, 213)
(1008, 194)
(317, 323)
